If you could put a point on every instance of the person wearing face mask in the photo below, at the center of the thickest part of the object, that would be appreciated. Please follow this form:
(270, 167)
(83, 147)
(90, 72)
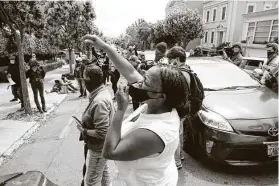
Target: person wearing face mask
(36, 75)
(13, 72)
(270, 67)
(237, 55)
(95, 123)
(143, 148)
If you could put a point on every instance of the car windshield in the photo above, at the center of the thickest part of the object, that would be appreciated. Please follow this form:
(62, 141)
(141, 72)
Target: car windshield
(223, 76)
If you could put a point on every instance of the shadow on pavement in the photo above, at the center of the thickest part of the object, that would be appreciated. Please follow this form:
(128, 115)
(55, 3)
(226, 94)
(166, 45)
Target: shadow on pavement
(215, 173)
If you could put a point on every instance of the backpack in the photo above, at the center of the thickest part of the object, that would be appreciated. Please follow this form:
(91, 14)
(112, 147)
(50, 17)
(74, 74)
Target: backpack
(196, 95)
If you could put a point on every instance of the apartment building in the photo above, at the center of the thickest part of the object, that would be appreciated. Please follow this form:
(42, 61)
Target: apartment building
(260, 26)
(232, 21)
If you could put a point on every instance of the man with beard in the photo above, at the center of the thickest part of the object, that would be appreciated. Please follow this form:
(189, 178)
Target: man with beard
(95, 123)
(237, 55)
(13, 72)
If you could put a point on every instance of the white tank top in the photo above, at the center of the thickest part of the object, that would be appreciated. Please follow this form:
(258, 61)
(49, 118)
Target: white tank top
(158, 169)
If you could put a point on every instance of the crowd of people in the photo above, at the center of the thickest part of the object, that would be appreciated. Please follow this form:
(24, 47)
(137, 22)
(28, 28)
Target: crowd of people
(35, 73)
(267, 73)
(165, 94)
(160, 95)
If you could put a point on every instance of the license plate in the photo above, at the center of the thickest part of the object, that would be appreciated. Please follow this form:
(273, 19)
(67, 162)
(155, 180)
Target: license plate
(272, 148)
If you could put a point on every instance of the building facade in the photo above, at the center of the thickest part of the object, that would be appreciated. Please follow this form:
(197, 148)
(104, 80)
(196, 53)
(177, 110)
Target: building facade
(180, 6)
(229, 21)
(259, 27)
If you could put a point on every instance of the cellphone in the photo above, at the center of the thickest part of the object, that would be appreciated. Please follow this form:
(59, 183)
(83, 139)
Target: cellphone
(77, 120)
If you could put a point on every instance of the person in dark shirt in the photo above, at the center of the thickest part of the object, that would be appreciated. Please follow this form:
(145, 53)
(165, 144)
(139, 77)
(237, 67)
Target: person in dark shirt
(13, 73)
(79, 75)
(36, 75)
(105, 68)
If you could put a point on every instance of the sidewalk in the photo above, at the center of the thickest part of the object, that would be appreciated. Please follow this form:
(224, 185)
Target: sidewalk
(13, 132)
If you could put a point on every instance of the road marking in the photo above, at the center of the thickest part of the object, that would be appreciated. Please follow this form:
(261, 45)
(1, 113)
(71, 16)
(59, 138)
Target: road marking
(66, 129)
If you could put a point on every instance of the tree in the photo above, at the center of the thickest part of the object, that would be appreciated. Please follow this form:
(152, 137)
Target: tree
(159, 34)
(133, 32)
(67, 22)
(184, 27)
(143, 34)
(17, 16)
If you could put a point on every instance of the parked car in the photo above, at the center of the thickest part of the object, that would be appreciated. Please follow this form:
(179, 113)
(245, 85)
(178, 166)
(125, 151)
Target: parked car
(252, 63)
(238, 123)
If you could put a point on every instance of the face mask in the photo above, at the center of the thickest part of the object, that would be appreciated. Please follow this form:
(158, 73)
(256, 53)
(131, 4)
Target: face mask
(12, 61)
(269, 54)
(139, 95)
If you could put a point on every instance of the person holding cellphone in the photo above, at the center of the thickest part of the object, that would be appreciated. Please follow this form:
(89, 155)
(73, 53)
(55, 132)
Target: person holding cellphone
(163, 88)
(94, 126)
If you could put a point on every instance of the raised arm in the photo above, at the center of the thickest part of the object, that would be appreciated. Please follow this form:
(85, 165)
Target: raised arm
(121, 64)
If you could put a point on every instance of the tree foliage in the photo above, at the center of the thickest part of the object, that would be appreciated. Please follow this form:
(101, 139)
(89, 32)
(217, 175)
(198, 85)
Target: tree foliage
(18, 17)
(159, 34)
(178, 28)
(185, 26)
(68, 21)
(138, 34)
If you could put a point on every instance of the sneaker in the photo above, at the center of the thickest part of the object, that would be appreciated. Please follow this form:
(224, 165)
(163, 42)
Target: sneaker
(21, 109)
(80, 96)
(15, 99)
(44, 110)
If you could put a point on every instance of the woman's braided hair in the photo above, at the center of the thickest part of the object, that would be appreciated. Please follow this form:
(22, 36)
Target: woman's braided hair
(174, 85)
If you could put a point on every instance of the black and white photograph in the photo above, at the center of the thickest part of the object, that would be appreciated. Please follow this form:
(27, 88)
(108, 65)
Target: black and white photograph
(139, 93)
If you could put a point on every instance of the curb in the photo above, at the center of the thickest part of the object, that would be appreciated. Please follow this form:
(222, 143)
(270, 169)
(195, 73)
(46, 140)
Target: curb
(18, 143)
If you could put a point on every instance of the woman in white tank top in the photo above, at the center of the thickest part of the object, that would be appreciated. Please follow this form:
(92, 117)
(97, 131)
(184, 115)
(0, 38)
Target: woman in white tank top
(144, 148)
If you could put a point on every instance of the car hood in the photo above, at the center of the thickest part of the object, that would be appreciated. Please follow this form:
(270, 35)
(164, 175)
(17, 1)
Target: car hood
(243, 104)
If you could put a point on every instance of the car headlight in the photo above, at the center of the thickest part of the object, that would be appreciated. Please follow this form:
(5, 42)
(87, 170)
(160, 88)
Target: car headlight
(214, 120)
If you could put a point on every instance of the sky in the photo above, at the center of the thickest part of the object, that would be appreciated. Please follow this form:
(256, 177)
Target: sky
(114, 16)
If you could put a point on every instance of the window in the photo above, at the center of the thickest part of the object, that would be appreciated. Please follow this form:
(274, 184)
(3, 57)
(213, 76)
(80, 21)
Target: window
(214, 15)
(212, 37)
(251, 8)
(205, 37)
(267, 6)
(263, 31)
(223, 13)
(207, 16)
